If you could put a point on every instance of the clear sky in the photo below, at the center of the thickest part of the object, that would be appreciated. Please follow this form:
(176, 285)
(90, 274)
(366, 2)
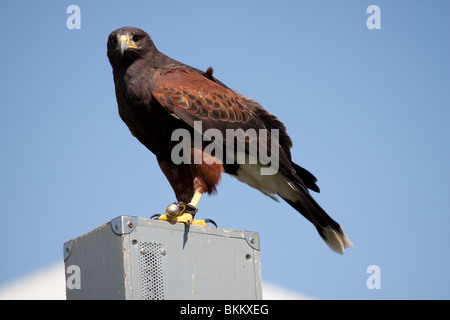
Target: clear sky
(368, 111)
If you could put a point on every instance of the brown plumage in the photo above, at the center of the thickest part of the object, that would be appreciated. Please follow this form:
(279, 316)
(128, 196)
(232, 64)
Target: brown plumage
(157, 95)
(179, 89)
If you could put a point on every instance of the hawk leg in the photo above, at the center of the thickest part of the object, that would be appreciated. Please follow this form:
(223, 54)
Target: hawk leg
(184, 212)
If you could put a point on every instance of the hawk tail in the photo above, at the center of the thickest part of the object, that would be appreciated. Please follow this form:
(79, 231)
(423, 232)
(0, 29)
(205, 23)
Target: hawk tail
(330, 231)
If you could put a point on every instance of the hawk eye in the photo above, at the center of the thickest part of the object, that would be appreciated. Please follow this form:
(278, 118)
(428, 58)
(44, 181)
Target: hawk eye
(137, 38)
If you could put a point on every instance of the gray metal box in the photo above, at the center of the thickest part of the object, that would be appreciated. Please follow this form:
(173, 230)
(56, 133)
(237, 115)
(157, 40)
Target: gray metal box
(137, 258)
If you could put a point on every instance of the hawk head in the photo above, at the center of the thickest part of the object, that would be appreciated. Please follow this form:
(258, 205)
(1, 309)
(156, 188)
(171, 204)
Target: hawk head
(128, 44)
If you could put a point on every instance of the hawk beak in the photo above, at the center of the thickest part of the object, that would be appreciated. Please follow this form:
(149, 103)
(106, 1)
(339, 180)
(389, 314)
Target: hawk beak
(125, 43)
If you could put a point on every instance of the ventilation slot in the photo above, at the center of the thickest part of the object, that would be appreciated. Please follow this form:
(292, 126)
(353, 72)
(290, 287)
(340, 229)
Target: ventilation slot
(151, 271)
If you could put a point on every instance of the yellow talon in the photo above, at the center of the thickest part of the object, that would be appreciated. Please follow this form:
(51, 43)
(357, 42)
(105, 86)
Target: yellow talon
(185, 218)
(176, 212)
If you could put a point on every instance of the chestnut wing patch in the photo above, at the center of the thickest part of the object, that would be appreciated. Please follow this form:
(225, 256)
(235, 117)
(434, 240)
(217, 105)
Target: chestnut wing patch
(191, 96)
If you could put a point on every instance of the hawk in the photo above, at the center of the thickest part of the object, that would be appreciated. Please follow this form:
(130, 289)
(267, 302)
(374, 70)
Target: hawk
(157, 95)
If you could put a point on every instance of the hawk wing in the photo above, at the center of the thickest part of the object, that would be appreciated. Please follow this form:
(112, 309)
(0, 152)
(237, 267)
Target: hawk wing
(192, 96)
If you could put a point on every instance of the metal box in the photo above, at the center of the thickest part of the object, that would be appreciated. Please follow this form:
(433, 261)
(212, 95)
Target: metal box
(137, 258)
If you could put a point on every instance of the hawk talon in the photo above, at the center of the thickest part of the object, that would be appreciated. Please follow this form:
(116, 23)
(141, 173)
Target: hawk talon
(178, 209)
(185, 218)
(183, 212)
(211, 221)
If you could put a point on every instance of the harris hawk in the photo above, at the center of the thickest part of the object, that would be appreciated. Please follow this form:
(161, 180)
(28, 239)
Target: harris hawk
(157, 95)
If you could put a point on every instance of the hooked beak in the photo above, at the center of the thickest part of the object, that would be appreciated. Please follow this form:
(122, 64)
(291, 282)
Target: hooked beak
(125, 43)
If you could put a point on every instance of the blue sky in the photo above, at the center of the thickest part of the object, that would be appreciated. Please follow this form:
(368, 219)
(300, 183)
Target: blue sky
(368, 111)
